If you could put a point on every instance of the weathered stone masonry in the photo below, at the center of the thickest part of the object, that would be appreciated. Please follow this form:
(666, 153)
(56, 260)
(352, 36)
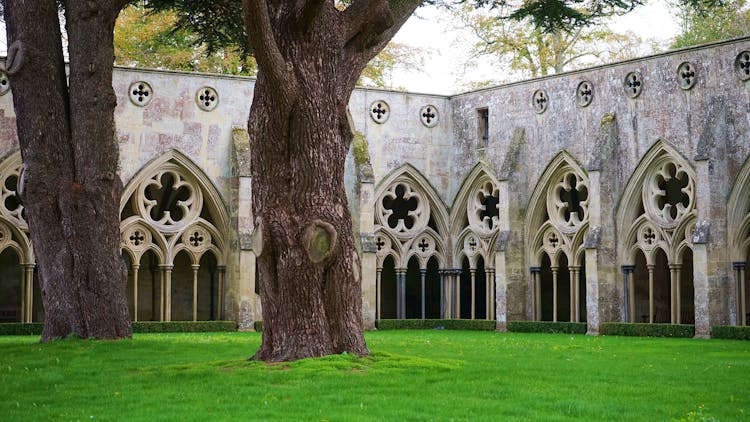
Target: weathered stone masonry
(617, 193)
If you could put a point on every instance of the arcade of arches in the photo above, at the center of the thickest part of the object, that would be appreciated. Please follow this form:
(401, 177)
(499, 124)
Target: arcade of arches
(173, 241)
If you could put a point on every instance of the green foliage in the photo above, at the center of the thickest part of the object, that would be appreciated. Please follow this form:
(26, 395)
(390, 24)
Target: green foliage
(731, 332)
(217, 24)
(360, 149)
(183, 326)
(258, 326)
(547, 327)
(712, 23)
(410, 375)
(379, 72)
(154, 40)
(647, 330)
(35, 328)
(439, 324)
(520, 48)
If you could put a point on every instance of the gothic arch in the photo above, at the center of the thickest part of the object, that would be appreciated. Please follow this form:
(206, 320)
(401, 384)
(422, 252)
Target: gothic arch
(738, 214)
(738, 227)
(557, 220)
(562, 176)
(170, 208)
(409, 210)
(656, 214)
(475, 217)
(16, 275)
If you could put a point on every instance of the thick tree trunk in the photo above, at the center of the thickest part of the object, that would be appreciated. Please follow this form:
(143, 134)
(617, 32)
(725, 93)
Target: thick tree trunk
(71, 189)
(310, 56)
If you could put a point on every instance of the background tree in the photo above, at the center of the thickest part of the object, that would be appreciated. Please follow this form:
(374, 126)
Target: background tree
(527, 51)
(70, 186)
(150, 40)
(715, 22)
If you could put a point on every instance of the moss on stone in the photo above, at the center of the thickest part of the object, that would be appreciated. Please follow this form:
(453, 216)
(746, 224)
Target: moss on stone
(359, 149)
(607, 119)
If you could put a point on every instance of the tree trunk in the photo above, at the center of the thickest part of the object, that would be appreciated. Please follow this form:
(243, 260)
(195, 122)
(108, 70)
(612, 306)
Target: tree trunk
(310, 56)
(69, 185)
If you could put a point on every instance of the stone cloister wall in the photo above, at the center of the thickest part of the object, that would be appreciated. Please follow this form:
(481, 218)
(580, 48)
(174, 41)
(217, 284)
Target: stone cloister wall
(589, 121)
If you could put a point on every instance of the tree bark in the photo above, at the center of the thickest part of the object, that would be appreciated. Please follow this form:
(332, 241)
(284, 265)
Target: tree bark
(309, 56)
(70, 185)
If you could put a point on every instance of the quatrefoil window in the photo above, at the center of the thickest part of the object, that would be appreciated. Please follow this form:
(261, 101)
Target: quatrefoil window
(573, 194)
(429, 116)
(4, 83)
(402, 207)
(207, 98)
(540, 101)
(633, 84)
(137, 238)
(140, 93)
(196, 239)
(584, 93)
(10, 200)
(380, 111)
(686, 75)
(742, 65)
(668, 194)
(567, 202)
(169, 200)
(672, 192)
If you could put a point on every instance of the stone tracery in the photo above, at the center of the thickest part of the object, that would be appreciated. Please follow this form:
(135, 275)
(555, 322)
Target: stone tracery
(658, 272)
(164, 217)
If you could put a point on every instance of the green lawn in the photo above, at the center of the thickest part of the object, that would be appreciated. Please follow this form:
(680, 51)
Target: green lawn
(411, 375)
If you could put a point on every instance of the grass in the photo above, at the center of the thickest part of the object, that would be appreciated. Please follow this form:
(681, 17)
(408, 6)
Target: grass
(411, 375)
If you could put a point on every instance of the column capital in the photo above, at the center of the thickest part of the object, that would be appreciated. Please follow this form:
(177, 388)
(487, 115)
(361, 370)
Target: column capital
(628, 268)
(675, 266)
(535, 269)
(739, 265)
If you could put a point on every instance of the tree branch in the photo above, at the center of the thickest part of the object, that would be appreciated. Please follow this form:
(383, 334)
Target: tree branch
(310, 10)
(365, 20)
(267, 53)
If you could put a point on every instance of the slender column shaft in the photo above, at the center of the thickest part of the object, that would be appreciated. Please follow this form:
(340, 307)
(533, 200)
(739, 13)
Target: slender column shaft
(578, 295)
(627, 271)
(30, 292)
(554, 294)
(378, 274)
(571, 293)
(743, 287)
(161, 294)
(135, 291)
(457, 276)
(473, 293)
(490, 283)
(678, 293)
(673, 282)
(423, 274)
(195, 292)
(651, 293)
(401, 291)
(168, 288)
(442, 294)
(22, 317)
(222, 282)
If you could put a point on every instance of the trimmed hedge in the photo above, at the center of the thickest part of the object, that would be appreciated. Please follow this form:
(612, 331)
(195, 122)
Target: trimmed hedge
(35, 328)
(21, 329)
(647, 330)
(183, 326)
(731, 332)
(547, 327)
(258, 326)
(438, 324)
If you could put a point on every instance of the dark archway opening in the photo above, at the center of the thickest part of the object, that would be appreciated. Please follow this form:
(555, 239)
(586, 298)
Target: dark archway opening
(388, 289)
(687, 292)
(413, 289)
(481, 290)
(432, 289)
(11, 279)
(465, 286)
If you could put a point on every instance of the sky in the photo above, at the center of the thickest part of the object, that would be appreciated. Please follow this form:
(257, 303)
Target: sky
(445, 50)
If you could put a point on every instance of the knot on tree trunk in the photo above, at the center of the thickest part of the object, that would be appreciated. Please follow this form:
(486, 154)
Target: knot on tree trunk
(320, 240)
(14, 59)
